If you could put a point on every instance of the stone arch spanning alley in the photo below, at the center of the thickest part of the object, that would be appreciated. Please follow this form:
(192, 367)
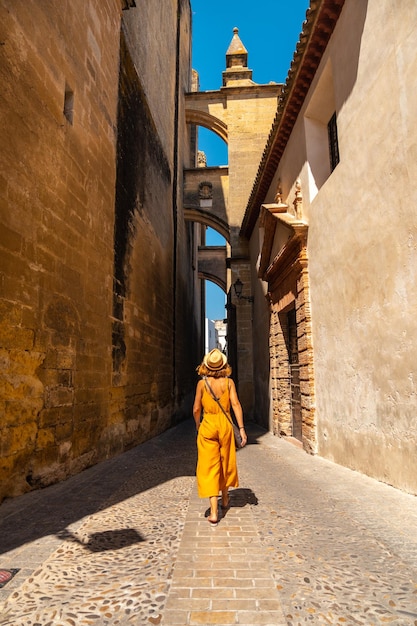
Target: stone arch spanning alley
(207, 120)
(211, 259)
(208, 218)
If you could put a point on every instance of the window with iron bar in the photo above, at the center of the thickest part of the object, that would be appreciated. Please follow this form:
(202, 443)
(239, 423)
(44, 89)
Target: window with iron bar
(333, 142)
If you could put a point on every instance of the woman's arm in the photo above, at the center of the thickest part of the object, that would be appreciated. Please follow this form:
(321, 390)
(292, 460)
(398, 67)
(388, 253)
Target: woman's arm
(197, 408)
(237, 410)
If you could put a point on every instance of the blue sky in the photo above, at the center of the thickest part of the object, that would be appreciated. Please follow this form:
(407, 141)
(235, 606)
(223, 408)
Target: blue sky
(269, 30)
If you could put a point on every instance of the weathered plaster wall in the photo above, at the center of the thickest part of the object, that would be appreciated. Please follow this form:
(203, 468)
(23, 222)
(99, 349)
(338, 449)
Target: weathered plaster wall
(362, 240)
(362, 244)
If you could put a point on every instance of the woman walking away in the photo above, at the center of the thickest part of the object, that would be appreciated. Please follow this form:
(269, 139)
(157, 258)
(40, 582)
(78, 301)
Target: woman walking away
(216, 465)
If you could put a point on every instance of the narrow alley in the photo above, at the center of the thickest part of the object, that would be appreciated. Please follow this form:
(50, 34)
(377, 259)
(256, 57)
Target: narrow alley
(126, 542)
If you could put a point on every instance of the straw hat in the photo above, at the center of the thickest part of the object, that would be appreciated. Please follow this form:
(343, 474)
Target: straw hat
(215, 360)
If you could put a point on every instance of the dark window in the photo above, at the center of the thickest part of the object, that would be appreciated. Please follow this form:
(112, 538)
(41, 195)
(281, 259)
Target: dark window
(333, 142)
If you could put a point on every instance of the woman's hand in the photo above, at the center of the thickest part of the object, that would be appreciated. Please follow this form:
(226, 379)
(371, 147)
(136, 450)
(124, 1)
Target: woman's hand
(244, 436)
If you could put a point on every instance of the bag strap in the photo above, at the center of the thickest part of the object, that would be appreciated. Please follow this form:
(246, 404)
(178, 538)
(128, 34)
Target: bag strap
(215, 398)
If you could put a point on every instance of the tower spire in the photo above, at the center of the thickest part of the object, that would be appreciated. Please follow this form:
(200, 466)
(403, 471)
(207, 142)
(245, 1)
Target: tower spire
(237, 72)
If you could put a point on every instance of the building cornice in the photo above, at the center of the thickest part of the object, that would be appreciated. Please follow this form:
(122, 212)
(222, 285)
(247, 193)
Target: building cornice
(225, 92)
(321, 19)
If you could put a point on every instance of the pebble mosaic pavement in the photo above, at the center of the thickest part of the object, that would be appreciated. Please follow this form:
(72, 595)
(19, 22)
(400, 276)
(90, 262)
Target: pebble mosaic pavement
(343, 547)
(108, 546)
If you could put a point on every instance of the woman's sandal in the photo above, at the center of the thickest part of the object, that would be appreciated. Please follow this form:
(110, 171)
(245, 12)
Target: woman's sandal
(212, 522)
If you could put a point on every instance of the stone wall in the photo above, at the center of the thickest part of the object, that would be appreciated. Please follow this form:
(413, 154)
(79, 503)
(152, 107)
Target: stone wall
(95, 256)
(361, 241)
(364, 281)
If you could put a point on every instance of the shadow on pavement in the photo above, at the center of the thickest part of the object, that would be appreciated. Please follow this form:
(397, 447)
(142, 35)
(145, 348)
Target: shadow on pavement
(52, 510)
(106, 540)
(240, 497)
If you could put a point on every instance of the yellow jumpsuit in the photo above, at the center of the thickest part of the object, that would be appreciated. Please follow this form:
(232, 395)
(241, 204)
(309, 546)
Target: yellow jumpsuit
(216, 465)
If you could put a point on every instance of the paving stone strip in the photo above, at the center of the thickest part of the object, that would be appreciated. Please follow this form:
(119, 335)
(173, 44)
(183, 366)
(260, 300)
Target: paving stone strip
(222, 574)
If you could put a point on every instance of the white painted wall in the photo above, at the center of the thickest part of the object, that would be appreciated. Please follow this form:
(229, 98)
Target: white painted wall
(362, 240)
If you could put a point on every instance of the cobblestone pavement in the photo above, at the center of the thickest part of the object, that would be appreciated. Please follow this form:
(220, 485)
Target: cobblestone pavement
(126, 542)
(342, 547)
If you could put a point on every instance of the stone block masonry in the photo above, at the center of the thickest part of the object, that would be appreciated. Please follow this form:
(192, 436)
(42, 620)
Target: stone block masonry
(56, 242)
(86, 361)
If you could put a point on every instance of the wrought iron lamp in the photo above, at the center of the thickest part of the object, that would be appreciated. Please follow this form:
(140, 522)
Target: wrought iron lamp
(238, 286)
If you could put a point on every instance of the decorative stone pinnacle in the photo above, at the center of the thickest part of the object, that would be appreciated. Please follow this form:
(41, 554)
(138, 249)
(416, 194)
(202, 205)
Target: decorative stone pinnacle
(298, 200)
(278, 193)
(237, 72)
